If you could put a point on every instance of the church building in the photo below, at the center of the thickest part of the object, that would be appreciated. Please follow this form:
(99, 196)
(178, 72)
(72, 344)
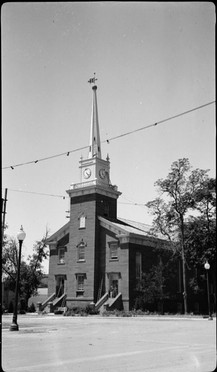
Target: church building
(98, 258)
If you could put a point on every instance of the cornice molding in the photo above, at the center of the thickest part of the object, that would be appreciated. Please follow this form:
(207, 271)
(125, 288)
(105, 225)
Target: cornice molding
(86, 188)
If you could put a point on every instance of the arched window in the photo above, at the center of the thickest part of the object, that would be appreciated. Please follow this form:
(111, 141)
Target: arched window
(81, 251)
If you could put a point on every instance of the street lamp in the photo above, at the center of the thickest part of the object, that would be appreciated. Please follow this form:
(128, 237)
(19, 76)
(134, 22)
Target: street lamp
(207, 267)
(20, 236)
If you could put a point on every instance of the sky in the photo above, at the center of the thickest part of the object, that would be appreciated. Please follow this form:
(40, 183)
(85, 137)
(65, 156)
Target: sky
(153, 61)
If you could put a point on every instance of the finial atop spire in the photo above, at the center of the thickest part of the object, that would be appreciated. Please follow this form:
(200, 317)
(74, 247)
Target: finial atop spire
(95, 145)
(92, 80)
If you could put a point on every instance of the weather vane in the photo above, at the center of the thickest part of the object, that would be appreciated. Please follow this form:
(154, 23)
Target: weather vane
(92, 80)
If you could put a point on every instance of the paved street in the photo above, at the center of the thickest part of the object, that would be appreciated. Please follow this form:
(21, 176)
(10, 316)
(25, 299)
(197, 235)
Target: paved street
(91, 344)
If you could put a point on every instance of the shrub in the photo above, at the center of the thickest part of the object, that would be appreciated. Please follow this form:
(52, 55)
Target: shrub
(75, 311)
(58, 311)
(22, 311)
(91, 310)
(118, 313)
(82, 311)
(31, 308)
(123, 313)
(69, 312)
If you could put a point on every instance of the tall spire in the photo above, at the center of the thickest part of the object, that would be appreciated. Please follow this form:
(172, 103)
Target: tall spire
(95, 145)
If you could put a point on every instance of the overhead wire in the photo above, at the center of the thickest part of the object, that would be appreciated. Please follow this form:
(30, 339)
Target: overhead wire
(64, 197)
(46, 158)
(38, 193)
(160, 121)
(108, 140)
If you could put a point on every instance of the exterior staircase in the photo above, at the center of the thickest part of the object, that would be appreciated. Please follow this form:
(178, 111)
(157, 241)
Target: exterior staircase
(43, 305)
(101, 302)
(59, 301)
(52, 303)
(59, 304)
(109, 303)
(114, 303)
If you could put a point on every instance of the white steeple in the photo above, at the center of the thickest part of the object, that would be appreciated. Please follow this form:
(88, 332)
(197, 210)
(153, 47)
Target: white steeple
(95, 145)
(95, 172)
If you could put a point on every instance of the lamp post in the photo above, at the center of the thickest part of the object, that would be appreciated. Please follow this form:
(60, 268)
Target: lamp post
(207, 267)
(20, 236)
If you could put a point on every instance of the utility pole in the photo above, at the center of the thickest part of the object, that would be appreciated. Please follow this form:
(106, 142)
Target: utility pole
(4, 202)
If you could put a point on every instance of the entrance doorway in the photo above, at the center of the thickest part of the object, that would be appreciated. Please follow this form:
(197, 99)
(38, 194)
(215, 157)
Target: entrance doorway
(60, 280)
(113, 285)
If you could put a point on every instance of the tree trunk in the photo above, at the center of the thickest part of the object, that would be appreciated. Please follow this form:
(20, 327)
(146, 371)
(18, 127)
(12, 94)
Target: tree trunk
(183, 267)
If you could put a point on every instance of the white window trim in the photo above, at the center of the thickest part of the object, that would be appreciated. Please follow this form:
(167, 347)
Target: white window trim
(111, 257)
(80, 291)
(61, 259)
(79, 246)
(82, 222)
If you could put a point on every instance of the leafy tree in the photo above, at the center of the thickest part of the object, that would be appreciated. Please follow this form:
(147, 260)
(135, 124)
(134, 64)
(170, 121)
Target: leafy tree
(183, 191)
(200, 242)
(206, 199)
(151, 286)
(200, 236)
(158, 283)
(31, 271)
(9, 258)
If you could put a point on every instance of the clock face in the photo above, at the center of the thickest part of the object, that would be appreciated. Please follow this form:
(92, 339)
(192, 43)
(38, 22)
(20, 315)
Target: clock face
(87, 173)
(102, 173)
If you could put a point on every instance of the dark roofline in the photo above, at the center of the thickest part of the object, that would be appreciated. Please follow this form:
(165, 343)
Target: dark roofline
(54, 236)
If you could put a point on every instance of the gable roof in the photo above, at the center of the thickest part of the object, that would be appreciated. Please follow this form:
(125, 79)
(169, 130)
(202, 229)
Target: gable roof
(58, 234)
(144, 227)
(127, 233)
(138, 225)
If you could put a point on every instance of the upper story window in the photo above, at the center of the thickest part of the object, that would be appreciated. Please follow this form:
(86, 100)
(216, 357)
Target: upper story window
(61, 255)
(81, 251)
(82, 222)
(113, 247)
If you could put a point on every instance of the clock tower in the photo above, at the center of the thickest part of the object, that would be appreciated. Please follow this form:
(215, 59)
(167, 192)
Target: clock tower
(94, 169)
(93, 197)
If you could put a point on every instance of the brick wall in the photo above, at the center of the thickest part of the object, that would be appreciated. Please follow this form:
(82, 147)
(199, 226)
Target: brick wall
(93, 266)
(90, 206)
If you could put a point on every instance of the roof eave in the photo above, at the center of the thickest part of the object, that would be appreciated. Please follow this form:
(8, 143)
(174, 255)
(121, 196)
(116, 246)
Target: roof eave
(58, 234)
